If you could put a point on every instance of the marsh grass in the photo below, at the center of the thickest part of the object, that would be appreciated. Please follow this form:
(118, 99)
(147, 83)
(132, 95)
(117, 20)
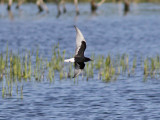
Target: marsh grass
(16, 68)
(111, 67)
(152, 67)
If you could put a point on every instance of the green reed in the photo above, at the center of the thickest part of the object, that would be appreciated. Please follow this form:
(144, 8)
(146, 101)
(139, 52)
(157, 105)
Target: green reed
(134, 65)
(18, 68)
(89, 68)
(29, 67)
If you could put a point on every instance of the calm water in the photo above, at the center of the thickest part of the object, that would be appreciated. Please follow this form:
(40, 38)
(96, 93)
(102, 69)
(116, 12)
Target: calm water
(109, 31)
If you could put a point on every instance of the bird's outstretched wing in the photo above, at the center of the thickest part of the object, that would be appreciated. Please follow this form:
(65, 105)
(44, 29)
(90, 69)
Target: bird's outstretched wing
(79, 66)
(80, 43)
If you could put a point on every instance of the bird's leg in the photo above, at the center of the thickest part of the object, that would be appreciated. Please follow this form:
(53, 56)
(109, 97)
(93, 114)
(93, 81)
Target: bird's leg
(39, 5)
(9, 5)
(2, 2)
(93, 6)
(100, 3)
(44, 6)
(76, 5)
(126, 6)
(58, 8)
(19, 3)
(64, 7)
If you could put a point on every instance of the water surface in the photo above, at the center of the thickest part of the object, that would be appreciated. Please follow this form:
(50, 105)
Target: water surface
(109, 31)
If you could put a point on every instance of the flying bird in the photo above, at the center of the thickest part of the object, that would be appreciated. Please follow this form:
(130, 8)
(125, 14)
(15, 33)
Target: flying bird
(79, 58)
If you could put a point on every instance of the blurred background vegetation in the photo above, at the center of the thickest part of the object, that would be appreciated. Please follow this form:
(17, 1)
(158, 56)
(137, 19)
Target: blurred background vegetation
(138, 1)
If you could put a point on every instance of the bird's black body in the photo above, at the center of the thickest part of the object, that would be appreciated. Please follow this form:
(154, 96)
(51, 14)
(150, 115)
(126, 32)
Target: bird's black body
(80, 58)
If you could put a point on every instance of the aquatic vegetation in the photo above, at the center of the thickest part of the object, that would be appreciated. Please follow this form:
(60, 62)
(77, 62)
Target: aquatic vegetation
(152, 67)
(89, 68)
(146, 68)
(17, 68)
(134, 65)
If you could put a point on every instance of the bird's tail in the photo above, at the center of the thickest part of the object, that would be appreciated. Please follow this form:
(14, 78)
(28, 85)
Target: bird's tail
(69, 60)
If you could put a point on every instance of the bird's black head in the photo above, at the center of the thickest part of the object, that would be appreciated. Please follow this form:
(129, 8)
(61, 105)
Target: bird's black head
(87, 59)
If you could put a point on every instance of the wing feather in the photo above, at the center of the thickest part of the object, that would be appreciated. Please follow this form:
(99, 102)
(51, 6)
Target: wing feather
(79, 39)
(79, 66)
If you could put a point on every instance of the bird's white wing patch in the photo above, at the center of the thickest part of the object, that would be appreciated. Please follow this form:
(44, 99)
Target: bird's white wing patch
(79, 39)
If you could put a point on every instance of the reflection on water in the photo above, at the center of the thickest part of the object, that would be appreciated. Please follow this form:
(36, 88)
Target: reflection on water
(136, 34)
(10, 15)
(126, 6)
